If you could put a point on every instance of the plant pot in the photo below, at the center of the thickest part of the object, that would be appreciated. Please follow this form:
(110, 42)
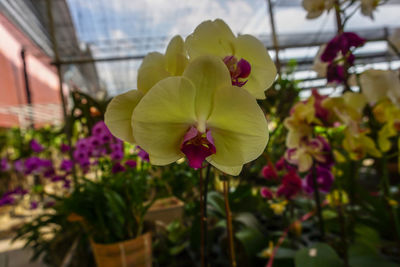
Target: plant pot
(131, 253)
(165, 210)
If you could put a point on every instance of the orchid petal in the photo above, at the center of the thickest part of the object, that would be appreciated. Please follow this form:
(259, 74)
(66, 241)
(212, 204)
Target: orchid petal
(151, 71)
(118, 115)
(162, 118)
(376, 83)
(263, 71)
(211, 37)
(231, 170)
(238, 127)
(305, 162)
(355, 100)
(175, 56)
(207, 73)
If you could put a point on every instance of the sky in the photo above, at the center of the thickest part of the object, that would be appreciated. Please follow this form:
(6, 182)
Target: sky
(122, 27)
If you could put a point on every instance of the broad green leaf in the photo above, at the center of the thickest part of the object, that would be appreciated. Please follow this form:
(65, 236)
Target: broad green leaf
(318, 255)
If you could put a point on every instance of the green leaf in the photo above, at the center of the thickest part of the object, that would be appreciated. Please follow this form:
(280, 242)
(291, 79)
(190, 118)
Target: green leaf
(316, 256)
(370, 261)
(368, 237)
(252, 239)
(284, 253)
(329, 214)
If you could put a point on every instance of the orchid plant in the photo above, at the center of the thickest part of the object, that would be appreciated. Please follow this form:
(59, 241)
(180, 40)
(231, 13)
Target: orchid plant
(201, 106)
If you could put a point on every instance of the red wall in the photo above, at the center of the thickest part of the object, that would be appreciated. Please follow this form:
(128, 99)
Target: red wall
(42, 76)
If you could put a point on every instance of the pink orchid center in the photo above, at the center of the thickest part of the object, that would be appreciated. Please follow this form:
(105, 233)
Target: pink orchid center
(197, 147)
(239, 70)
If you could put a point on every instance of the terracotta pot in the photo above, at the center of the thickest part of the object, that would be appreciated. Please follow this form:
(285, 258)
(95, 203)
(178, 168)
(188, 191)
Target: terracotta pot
(165, 210)
(131, 253)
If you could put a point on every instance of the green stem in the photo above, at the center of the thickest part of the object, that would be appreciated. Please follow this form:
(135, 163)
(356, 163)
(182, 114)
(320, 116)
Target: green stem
(343, 234)
(205, 217)
(385, 184)
(318, 203)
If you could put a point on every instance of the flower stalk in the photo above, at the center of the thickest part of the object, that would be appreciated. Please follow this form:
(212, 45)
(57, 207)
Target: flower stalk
(317, 199)
(343, 233)
(202, 222)
(385, 184)
(232, 256)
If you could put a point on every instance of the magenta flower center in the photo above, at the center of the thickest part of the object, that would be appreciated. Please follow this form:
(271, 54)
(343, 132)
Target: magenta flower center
(239, 70)
(197, 147)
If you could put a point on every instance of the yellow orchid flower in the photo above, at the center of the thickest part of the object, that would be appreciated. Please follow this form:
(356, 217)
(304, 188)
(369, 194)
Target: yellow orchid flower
(378, 84)
(308, 149)
(315, 8)
(338, 157)
(267, 252)
(299, 122)
(388, 113)
(245, 56)
(359, 145)
(200, 115)
(337, 198)
(381, 111)
(155, 67)
(347, 108)
(278, 207)
(384, 135)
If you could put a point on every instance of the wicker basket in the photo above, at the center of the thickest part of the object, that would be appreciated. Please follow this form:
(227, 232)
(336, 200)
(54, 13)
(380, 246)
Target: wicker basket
(131, 253)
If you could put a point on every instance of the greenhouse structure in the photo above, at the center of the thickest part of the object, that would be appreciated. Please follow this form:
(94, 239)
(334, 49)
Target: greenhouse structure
(209, 133)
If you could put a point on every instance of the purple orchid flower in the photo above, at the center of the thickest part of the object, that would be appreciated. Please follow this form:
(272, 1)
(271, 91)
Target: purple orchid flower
(324, 178)
(35, 146)
(117, 167)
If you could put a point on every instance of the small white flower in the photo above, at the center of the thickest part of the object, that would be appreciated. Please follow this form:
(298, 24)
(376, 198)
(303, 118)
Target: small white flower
(315, 8)
(368, 7)
(378, 84)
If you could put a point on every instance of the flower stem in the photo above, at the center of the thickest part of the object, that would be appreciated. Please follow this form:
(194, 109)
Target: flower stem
(202, 232)
(385, 184)
(232, 257)
(340, 29)
(205, 217)
(343, 233)
(318, 203)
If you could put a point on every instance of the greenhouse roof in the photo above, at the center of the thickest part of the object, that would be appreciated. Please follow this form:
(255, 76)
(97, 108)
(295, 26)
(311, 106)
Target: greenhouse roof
(128, 30)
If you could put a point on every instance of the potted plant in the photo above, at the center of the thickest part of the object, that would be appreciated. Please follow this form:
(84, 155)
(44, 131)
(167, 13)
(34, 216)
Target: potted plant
(111, 210)
(166, 210)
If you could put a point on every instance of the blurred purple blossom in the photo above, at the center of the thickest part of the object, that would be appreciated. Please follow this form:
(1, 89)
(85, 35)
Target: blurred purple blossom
(66, 165)
(117, 167)
(64, 148)
(6, 200)
(335, 73)
(34, 205)
(341, 43)
(291, 185)
(131, 163)
(19, 165)
(4, 166)
(143, 154)
(266, 193)
(35, 146)
(324, 178)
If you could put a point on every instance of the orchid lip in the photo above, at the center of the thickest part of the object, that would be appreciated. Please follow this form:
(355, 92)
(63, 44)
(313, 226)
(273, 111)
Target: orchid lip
(197, 146)
(239, 70)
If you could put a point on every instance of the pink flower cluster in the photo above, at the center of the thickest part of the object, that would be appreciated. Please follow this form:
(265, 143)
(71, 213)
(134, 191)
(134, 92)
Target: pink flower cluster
(286, 175)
